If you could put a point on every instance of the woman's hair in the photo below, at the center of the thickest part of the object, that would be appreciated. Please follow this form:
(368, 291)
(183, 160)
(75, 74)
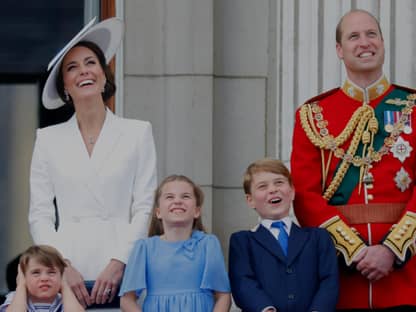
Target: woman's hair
(45, 255)
(264, 165)
(156, 226)
(109, 88)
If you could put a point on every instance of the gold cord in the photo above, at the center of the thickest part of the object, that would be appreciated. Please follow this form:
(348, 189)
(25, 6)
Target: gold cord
(362, 126)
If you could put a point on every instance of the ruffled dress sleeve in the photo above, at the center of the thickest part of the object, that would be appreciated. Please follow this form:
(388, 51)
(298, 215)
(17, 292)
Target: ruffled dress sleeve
(134, 278)
(214, 275)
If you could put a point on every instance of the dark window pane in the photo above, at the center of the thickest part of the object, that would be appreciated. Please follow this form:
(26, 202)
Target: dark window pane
(32, 32)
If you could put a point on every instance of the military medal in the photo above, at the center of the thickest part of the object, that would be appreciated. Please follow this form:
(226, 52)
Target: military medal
(401, 149)
(402, 180)
(391, 118)
(368, 178)
(408, 126)
(388, 121)
(389, 128)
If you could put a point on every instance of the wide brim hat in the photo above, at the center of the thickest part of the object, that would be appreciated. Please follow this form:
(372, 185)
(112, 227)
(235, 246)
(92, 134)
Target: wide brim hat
(106, 34)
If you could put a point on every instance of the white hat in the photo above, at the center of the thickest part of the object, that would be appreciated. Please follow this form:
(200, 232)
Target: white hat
(106, 34)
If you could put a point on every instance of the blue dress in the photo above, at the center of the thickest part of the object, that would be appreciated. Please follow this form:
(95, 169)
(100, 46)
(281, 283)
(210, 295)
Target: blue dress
(178, 276)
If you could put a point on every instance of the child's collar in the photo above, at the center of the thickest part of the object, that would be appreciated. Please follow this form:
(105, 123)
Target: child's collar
(55, 306)
(268, 222)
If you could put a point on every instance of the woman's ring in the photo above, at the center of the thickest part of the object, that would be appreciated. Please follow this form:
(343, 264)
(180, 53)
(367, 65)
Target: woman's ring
(107, 291)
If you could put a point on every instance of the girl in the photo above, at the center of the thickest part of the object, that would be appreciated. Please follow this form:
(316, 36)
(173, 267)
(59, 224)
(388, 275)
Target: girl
(180, 266)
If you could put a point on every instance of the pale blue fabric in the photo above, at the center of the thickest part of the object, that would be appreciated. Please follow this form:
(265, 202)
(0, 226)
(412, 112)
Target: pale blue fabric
(178, 276)
(283, 238)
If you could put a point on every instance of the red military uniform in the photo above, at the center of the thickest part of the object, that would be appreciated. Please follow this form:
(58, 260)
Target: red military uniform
(354, 170)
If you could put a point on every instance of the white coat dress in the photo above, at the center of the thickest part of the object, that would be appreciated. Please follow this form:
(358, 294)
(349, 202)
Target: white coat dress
(104, 201)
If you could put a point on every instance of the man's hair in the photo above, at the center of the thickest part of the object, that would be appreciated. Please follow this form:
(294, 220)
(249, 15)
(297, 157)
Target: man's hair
(338, 31)
(264, 165)
(45, 255)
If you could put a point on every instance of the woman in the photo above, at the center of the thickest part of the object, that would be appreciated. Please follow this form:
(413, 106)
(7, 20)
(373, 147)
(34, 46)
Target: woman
(100, 168)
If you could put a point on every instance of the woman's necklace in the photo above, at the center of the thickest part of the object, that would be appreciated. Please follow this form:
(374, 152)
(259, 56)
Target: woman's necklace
(91, 140)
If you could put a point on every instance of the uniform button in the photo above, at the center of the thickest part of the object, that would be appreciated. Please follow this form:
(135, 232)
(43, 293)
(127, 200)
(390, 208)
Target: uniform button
(289, 270)
(291, 296)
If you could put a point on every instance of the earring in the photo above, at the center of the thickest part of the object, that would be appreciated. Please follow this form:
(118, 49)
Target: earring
(66, 96)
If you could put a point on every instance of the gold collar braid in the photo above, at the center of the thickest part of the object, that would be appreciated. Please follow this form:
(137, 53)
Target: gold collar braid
(367, 94)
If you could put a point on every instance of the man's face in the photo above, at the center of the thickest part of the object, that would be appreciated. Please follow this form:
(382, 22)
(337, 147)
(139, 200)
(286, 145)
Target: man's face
(362, 46)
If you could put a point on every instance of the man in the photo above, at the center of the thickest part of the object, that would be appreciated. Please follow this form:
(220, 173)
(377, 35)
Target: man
(353, 165)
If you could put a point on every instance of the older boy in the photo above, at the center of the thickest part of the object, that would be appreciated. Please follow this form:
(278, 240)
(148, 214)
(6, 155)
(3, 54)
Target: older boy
(278, 266)
(39, 281)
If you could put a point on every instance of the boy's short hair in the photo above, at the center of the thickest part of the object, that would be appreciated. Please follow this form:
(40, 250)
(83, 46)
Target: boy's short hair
(264, 165)
(45, 255)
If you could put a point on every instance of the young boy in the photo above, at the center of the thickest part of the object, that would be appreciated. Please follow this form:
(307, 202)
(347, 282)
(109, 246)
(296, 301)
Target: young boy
(278, 266)
(39, 281)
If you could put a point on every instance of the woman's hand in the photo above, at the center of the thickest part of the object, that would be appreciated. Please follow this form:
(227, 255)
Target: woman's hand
(76, 282)
(105, 287)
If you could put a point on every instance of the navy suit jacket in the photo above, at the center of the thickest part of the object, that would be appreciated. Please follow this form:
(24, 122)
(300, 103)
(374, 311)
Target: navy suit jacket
(261, 275)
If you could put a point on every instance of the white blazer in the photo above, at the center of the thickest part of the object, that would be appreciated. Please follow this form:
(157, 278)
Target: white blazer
(104, 201)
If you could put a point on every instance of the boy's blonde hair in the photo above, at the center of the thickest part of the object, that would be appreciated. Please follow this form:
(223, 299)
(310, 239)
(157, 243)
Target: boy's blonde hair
(45, 255)
(156, 225)
(264, 165)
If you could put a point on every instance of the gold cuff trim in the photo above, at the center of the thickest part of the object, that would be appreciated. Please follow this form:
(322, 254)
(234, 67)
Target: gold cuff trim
(345, 239)
(402, 236)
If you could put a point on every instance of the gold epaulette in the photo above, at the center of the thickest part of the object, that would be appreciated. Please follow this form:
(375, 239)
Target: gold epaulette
(402, 236)
(345, 239)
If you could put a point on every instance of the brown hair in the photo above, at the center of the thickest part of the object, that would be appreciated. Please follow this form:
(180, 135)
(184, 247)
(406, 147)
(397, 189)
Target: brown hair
(109, 87)
(45, 255)
(264, 165)
(156, 226)
(338, 31)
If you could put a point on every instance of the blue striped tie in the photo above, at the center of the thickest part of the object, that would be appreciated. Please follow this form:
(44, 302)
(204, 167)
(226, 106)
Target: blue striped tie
(283, 237)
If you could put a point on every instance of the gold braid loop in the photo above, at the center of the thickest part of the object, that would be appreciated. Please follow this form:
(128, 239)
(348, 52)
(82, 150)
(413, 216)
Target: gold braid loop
(363, 125)
(349, 156)
(327, 141)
